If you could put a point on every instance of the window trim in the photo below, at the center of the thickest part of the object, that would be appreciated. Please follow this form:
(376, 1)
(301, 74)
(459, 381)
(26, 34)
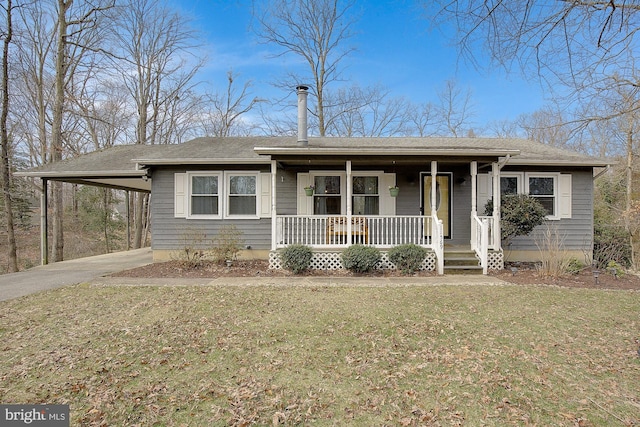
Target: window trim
(343, 188)
(377, 174)
(520, 180)
(227, 194)
(192, 174)
(556, 190)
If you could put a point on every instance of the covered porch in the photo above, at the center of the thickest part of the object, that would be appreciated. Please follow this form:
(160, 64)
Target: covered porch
(422, 186)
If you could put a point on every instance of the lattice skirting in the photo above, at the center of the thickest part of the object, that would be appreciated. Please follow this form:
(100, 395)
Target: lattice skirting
(332, 261)
(495, 260)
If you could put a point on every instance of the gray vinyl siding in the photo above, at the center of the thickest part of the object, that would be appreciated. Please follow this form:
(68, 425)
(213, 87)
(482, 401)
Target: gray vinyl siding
(169, 233)
(576, 233)
(286, 192)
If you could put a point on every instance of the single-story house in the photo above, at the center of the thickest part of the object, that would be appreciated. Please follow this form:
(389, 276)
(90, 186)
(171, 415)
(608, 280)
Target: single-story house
(329, 193)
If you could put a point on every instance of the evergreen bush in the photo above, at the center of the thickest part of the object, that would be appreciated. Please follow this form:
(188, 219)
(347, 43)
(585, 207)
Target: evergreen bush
(407, 258)
(296, 258)
(519, 214)
(360, 258)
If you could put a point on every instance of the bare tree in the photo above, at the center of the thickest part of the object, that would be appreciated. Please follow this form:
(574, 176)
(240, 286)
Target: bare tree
(157, 61)
(546, 125)
(224, 118)
(368, 111)
(504, 129)
(314, 30)
(4, 141)
(424, 119)
(455, 108)
(35, 85)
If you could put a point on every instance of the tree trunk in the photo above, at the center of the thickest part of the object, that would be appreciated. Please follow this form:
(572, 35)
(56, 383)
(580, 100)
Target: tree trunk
(629, 195)
(56, 129)
(12, 262)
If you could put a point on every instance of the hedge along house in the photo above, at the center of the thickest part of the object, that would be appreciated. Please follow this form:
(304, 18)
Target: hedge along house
(330, 193)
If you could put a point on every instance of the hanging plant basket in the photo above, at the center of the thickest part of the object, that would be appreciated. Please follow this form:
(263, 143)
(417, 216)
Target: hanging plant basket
(393, 191)
(308, 191)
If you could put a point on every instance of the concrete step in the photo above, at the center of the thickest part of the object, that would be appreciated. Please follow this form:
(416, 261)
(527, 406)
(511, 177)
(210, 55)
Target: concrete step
(461, 262)
(463, 270)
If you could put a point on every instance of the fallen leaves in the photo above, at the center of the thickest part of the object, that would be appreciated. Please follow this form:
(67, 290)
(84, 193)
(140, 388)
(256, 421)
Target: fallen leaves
(373, 356)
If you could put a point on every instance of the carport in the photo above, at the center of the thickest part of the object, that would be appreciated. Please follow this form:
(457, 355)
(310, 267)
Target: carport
(112, 168)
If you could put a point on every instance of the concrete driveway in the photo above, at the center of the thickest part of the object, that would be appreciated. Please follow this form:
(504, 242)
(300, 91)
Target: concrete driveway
(64, 273)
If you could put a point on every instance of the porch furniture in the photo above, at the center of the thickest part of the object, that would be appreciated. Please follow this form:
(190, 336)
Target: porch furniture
(337, 230)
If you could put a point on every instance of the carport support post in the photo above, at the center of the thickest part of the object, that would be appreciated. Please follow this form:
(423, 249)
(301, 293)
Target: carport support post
(44, 225)
(128, 210)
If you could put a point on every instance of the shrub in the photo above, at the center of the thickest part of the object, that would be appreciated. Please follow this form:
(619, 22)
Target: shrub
(574, 266)
(519, 214)
(296, 258)
(407, 258)
(360, 258)
(227, 244)
(192, 253)
(615, 268)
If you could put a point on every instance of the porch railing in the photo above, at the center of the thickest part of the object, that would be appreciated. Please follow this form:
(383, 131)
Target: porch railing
(337, 231)
(480, 239)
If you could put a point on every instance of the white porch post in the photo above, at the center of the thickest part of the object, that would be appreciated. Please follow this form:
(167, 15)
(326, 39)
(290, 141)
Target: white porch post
(437, 230)
(434, 175)
(349, 203)
(274, 219)
(497, 236)
(474, 202)
(474, 190)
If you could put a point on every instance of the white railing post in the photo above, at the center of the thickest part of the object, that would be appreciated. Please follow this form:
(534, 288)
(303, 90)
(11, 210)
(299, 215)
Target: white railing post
(484, 246)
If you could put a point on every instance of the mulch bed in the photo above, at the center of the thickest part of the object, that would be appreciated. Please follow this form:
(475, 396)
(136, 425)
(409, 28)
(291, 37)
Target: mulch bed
(260, 268)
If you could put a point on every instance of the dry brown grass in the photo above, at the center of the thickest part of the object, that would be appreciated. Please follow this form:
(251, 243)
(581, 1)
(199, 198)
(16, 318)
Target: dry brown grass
(450, 355)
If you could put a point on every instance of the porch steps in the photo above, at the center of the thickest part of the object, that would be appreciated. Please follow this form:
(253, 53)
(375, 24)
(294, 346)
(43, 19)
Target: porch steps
(461, 261)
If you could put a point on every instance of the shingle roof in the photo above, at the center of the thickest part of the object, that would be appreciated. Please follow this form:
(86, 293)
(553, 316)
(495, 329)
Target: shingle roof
(128, 160)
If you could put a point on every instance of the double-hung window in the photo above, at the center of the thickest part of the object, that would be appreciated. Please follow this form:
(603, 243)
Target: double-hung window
(545, 189)
(204, 195)
(242, 194)
(511, 183)
(327, 195)
(366, 196)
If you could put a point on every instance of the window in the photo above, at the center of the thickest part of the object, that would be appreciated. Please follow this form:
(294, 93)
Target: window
(366, 199)
(242, 194)
(543, 188)
(204, 194)
(327, 198)
(509, 185)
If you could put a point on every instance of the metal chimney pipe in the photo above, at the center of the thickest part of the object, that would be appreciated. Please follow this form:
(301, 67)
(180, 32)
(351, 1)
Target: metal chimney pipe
(302, 91)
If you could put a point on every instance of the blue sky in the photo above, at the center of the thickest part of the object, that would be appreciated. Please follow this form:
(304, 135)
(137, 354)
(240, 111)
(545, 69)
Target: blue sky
(395, 47)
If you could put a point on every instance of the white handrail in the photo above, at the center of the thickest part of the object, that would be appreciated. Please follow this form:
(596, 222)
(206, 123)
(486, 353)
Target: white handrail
(480, 240)
(438, 242)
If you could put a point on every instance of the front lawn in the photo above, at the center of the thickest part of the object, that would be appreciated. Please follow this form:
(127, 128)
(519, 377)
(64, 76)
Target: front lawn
(432, 355)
